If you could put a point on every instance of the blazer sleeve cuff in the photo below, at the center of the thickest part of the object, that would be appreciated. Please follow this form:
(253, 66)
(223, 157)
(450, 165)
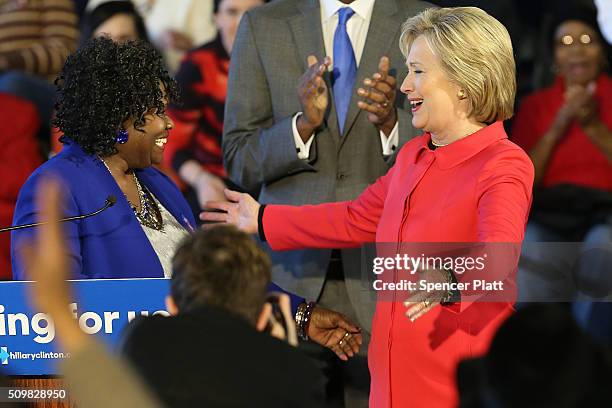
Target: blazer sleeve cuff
(260, 227)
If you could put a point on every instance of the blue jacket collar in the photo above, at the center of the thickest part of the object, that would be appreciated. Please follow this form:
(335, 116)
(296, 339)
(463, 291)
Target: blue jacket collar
(150, 177)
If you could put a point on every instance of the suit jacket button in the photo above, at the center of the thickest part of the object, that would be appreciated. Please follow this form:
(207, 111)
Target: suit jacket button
(341, 176)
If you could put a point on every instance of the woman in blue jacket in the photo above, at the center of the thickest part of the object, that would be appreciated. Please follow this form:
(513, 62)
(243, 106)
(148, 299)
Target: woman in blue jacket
(111, 110)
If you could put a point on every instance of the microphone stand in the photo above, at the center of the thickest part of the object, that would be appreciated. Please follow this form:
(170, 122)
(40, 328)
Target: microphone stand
(110, 201)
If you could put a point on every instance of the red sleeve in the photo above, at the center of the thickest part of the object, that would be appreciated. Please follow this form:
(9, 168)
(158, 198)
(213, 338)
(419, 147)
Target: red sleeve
(504, 192)
(331, 225)
(526, 126)
(504, 189)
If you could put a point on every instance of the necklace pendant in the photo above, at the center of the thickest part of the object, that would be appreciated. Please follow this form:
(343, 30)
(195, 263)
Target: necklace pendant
(149, 214)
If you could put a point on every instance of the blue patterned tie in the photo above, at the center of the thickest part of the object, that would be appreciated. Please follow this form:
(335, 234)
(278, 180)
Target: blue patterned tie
(345, 67)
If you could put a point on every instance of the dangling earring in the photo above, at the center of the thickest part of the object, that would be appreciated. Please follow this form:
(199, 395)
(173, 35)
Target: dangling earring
(122, 136)
(461, 94)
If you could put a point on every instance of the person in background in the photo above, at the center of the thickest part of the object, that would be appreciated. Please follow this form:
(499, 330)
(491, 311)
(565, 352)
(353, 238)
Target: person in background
(19, 157)
(194, 151)
(117, 19)
(52, 34)
(36, 36)
(177, 26)
(216, 340)
(567, 131)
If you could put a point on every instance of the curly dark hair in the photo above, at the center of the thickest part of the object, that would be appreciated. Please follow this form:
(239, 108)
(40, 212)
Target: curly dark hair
(104, 84)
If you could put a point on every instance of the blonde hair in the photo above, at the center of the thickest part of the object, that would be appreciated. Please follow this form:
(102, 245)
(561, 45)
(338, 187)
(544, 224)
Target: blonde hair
(475, 51)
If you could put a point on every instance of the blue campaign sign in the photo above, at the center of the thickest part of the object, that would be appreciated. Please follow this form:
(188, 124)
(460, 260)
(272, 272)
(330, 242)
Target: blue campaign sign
(102, 307)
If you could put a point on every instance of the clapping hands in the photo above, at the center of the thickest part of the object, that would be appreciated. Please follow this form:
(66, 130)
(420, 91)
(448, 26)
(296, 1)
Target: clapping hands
(379, 92)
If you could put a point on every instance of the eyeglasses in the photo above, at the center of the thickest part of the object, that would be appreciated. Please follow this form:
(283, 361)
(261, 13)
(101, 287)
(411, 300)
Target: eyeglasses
(567, 40)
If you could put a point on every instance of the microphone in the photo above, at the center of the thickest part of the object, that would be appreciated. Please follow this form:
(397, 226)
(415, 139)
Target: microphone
(110, 201)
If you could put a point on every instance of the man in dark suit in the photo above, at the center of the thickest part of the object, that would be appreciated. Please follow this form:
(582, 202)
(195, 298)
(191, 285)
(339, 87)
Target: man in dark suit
(214, 351)
(327, 140)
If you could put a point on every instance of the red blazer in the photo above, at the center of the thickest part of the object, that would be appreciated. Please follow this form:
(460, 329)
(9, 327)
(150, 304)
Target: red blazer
(477, 189)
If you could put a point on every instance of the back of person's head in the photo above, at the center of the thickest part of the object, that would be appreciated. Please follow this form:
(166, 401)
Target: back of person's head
(541, 358)
(221, 267)
(99, 19)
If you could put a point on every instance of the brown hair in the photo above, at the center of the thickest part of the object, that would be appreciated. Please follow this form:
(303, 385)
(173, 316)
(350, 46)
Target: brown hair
(221, 267)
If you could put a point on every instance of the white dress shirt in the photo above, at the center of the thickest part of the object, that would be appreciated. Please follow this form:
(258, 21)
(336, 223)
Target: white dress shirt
(357, 29)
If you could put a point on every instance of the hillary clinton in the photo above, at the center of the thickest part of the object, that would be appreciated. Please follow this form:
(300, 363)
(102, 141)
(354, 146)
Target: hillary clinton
(462, 180)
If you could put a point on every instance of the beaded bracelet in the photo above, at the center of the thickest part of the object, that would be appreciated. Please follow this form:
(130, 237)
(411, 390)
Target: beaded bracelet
(299, 316)
(302, 319)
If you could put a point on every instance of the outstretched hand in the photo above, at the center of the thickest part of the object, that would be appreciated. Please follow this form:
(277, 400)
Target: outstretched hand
(334, 331)
(240, 210)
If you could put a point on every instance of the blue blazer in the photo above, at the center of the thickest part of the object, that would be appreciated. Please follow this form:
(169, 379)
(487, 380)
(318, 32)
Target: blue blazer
(111, 244)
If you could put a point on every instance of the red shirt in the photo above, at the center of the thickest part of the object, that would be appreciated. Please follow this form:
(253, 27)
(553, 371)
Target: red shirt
(575, 159)
(477, 189)
(19, 157)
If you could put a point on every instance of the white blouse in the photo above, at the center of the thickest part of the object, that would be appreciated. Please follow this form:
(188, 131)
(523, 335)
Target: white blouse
(166, 241)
